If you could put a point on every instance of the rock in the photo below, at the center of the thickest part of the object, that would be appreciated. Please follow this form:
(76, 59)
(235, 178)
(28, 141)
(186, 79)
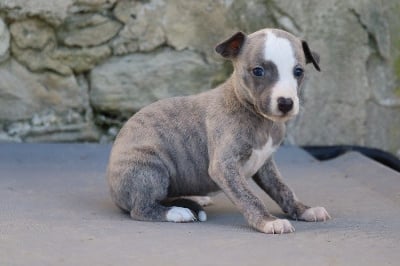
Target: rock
(145, 37)
(18, 128)
(200, 25)
(196, 25)
(38, 60)
(40, 105)
(64, 61)
(140, 32)
(81, 60)
(86, 131)
(334, 110)
(126, 10)
(24, 93)
(53, 13)
(86, 30)
(17, 102)
(126, 84)
(183, 24)
(4, 41)
(4, 137)
(80, 6)
(382, 126)
(34, 34)
(34, 45)
(355, 71)
(371, 16)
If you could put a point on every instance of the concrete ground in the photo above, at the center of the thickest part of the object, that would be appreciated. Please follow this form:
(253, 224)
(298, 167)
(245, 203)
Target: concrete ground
(55, 210)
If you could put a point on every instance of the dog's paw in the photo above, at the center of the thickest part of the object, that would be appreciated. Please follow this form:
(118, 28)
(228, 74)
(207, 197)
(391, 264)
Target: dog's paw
(315, 214)
(278, 226)
(180, 215)
(201, 200)
(202, 215)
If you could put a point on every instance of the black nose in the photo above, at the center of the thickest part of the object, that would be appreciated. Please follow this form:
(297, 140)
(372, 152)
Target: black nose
(285, 104)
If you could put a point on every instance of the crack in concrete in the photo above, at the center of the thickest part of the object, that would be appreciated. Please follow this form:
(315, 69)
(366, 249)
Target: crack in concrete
(373, 42)
(376, 54)
(283, 19)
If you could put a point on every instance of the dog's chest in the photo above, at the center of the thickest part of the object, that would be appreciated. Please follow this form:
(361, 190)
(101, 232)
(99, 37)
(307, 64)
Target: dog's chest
(258, 158)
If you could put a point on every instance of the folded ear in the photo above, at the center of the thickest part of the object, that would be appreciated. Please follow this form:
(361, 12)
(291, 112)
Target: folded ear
(311, 56)
(231, 47)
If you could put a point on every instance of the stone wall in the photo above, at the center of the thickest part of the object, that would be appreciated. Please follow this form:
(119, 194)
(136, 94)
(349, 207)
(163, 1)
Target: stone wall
(74, 70)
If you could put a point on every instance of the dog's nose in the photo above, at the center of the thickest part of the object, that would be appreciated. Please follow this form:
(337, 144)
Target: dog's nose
(285, 104)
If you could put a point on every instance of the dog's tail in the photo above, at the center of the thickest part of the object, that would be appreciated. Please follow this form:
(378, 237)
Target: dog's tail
(192, 205)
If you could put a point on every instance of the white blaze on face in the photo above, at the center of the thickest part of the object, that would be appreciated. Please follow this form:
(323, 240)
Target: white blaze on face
(280, 52)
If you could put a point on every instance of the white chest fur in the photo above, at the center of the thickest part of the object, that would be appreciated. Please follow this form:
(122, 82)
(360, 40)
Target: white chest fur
(258, 158)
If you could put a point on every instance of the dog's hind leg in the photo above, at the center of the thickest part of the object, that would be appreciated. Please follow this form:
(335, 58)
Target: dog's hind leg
(141, 191)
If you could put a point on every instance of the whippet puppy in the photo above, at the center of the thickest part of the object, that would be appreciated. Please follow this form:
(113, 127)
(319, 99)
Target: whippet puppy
(218, 140)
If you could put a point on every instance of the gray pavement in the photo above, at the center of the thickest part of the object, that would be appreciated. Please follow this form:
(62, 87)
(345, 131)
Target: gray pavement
(55, 210)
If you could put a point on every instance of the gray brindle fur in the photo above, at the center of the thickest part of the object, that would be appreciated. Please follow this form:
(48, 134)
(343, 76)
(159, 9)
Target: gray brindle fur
(218, 139)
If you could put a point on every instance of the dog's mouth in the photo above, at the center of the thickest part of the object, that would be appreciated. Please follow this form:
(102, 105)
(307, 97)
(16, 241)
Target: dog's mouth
(285, 117)
(276, 115)
(281, 117)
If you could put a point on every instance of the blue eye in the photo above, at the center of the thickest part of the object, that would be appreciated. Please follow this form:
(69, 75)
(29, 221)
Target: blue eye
(298, 72)
(258, 71)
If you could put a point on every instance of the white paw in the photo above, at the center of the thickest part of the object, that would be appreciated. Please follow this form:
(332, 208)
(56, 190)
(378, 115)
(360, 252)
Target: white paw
(315, 214)
(180, 215)
(202, 216)
(278, 226)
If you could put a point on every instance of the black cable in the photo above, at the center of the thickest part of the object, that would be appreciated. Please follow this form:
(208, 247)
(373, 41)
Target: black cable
(329, 152)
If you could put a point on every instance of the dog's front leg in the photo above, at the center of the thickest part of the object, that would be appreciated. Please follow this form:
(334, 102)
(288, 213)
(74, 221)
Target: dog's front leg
(236, 187)
(269, 179)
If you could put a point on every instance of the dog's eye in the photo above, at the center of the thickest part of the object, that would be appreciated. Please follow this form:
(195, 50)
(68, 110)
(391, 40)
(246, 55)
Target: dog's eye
(298, 72)
(258, 71)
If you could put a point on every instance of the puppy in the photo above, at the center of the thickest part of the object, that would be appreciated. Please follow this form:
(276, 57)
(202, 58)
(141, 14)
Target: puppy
(218, 139)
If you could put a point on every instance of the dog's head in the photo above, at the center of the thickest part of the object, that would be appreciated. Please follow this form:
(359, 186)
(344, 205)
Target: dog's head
(269, 70)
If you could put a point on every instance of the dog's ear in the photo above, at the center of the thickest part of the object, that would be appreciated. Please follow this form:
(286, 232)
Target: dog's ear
(231, 47)
(311, 56)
